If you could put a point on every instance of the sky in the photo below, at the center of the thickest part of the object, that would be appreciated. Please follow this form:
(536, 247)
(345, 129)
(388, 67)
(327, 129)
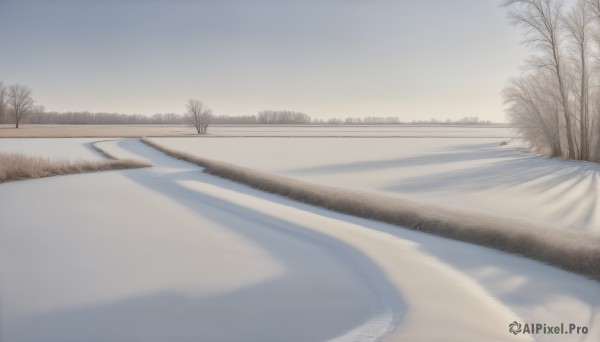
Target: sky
(412, 59)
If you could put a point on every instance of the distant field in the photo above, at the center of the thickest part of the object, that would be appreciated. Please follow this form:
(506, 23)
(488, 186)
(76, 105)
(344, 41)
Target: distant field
(132, 131)
(92, 131)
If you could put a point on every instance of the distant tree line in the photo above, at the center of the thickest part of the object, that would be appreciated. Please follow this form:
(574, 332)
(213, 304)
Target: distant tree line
(393, 120)
(282, 117)
(88, 118)
(39, 116)
(17, 106)
(555, 103)
(369, 120)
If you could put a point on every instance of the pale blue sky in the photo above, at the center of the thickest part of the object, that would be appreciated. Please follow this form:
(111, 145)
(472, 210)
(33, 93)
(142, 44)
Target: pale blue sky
(413, 59)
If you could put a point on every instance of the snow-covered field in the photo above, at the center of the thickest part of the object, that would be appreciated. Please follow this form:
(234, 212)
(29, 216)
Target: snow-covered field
(477, 174)
(169, 253)
(53, 148)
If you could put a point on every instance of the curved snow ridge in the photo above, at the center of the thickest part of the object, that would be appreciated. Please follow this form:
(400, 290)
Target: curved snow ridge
(572, 251)
(423, 282)
(385, 307)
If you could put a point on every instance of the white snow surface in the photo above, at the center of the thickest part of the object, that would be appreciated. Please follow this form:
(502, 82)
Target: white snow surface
(52, 148)
(473, 174)
(169, 253)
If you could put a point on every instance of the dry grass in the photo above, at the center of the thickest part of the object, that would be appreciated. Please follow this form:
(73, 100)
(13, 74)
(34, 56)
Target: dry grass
(571, 251)
(17, 166)
(103, 152)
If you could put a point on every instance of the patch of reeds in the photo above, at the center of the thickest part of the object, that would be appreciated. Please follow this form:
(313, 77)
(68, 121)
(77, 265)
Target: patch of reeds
(18, 166)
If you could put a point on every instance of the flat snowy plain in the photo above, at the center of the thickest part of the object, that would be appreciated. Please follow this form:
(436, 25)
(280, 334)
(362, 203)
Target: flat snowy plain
(169, 253)
(444, 168)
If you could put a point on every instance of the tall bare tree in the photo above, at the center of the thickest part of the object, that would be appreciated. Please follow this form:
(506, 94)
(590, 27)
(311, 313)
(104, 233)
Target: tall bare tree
(594, 6)
(542, 21)
(19, 98)
(578, 25)
(198, 115)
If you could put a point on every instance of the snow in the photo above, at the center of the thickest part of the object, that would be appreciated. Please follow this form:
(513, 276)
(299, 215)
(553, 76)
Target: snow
(137, 256)
(171, 253)
(52, 148)
(475, 174)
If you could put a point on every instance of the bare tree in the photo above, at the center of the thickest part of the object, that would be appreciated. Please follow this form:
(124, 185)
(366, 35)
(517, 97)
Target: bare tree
(534, 111)
(594, 7)
(542, 21)
(198, 115)
(556, 103)
(38, 114)
(19, 98)
(578, 25)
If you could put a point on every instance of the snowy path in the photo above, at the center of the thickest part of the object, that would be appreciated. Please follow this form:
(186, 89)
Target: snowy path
(170, 253)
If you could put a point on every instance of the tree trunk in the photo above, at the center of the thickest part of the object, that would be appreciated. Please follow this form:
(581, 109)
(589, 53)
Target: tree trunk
(583, 110)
